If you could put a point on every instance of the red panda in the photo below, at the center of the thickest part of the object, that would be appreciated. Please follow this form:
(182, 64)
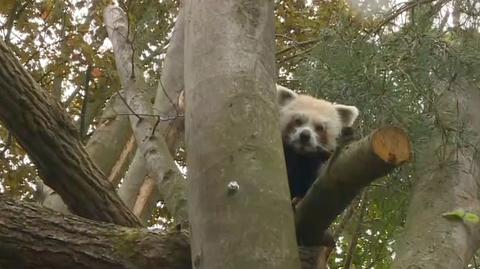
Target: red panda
(310, 128)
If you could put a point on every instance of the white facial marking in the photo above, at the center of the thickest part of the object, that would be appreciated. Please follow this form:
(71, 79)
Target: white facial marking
(332, 118)
(306, 139)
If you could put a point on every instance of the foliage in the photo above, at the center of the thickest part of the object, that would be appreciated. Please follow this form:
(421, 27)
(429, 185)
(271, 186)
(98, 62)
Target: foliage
(64, 46)
(392, 62)
(394, 75)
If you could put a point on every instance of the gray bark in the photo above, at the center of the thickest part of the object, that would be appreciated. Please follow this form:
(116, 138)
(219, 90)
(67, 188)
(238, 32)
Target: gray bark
(166, 105)
(171, 85)
(108, 143)
(232, 137)
(134, 179)
(150, 141)
(447, 179)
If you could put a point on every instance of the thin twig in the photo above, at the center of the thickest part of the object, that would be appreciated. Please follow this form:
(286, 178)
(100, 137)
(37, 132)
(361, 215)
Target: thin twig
(15, 13)
(168, 97)
(395, 13)
(155, 126)
(296, 55)
(297, 44)
(356, 235)
(126, 104)
(132, 75)
(148, 115)
(83, 127)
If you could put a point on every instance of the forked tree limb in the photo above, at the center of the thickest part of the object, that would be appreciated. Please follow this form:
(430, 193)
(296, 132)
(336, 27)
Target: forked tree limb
(53, 143)
(348, 171)
(167, 103)
(159, 162)
(110, 148)
(33, 237)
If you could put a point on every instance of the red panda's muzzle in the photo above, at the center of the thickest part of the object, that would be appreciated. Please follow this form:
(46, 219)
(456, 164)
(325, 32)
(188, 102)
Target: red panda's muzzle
(306, 142)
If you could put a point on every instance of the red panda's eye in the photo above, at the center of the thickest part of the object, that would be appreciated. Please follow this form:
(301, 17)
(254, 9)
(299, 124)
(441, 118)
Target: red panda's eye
(298, 121)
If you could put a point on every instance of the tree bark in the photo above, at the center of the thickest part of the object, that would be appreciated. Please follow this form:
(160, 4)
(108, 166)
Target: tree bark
(33, 237)
(134, 179)
(145, 202)
(109, 148)
(348, 171)
(447, 180)
(239, 206)
(171, 85)
(53, 144)
(166, 105)
(159, 163)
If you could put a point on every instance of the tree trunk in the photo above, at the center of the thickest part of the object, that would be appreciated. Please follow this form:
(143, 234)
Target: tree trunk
(171, 85)
(447, 180)
(239, 206)
(33, 237)
(166, 105)
(159, 162)
(53, 144)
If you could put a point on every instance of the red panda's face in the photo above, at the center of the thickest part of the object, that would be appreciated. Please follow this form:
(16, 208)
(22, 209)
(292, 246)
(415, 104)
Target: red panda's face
(311, 125)
(306, 133)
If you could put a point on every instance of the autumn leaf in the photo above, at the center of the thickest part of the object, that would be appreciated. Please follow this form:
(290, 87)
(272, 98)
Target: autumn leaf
(46, 9)
(96, 72)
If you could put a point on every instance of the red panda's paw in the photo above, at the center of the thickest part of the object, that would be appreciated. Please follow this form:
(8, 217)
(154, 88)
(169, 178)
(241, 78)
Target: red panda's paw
(295, 202)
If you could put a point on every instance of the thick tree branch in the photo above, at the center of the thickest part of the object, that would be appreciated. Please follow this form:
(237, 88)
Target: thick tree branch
(348, 171)
(54, 145)
(167, 104)
(34, 237)
(160, 163)
(144, 196)
(447, 179)
(133, 180)
(110, 147)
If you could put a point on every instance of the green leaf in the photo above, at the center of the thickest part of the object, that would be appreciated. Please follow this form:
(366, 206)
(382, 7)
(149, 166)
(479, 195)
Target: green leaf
(463, 215)
(458, 213)
(471, 218)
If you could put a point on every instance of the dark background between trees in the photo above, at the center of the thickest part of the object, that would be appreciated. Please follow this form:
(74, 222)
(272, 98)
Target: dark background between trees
(413, 64)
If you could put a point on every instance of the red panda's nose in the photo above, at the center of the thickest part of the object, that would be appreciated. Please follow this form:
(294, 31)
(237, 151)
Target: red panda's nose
(305, 136)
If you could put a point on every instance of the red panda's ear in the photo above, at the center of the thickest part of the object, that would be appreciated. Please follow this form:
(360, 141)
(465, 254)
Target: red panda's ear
(284, 95)
(348, 114)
